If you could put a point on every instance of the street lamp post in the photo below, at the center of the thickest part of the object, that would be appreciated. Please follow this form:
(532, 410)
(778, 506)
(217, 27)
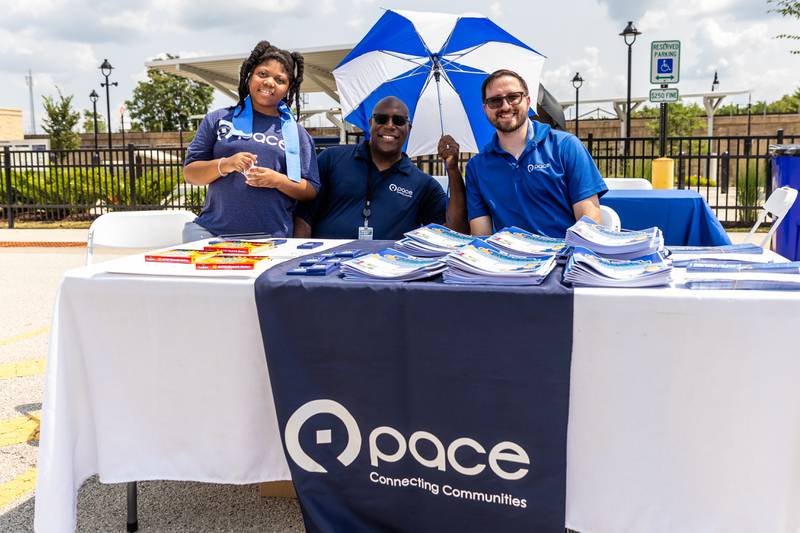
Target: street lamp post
(629, 35)
(122, 123)
(577, 81)
(93, 96)
(105, 70)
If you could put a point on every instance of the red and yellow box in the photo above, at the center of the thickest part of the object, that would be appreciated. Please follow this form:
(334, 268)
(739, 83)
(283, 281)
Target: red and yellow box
(238, 247)
(178, 255)
(230, 262)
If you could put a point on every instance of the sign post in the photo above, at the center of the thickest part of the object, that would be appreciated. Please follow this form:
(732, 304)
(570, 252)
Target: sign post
(665, 63)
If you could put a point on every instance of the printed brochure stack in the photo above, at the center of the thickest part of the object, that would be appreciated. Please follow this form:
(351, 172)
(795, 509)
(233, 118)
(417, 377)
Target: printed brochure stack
(587, 269)
(390, 265)
(432, 240)
(483, 263)
(714, 274)
(615, 244)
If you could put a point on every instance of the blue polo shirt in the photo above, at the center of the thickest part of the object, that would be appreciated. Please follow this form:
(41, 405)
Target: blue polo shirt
(536, 192)
(403, 196)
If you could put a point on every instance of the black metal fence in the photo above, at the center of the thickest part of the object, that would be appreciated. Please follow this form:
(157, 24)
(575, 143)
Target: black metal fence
(733, 174)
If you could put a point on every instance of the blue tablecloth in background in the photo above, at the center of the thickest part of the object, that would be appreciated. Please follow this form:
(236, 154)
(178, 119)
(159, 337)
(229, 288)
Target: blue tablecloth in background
(683, 216)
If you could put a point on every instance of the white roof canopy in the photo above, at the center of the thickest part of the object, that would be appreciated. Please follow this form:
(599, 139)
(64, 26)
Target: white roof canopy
(222, 72)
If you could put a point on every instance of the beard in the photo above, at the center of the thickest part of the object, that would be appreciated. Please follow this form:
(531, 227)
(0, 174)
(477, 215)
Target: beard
(506, 127)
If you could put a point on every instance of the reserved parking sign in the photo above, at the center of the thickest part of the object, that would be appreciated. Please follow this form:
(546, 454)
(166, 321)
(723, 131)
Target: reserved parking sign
(665, 62)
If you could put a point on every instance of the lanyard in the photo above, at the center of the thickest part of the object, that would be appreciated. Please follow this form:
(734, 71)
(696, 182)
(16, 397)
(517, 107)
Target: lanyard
(367, 211)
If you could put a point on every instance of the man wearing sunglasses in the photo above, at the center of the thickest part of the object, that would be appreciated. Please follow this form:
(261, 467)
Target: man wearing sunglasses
(372, 190)
(529, 175)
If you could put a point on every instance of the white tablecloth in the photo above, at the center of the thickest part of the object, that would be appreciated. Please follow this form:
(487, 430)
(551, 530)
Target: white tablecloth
(684, 406)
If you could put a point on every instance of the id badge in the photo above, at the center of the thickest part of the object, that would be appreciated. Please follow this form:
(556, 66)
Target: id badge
(364, 233)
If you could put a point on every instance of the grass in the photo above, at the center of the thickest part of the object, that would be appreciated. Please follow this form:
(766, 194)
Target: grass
(77, 224)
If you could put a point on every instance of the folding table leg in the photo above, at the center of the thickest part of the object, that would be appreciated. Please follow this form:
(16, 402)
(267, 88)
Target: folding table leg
(133, 521)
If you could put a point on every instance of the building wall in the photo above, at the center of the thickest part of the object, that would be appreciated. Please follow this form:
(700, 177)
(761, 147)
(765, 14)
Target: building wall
(11, 124)
(723, 126)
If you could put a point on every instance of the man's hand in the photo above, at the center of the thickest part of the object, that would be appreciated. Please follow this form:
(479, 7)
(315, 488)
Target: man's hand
(448, 150)
(264, 177)
(239, 162)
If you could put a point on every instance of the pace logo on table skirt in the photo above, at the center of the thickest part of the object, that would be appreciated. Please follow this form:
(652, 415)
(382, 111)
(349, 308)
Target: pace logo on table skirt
(507, 460)
(396, 416)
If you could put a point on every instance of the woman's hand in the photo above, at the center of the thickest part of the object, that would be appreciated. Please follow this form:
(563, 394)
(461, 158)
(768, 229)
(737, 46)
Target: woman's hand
(265, 177)
(239, 162)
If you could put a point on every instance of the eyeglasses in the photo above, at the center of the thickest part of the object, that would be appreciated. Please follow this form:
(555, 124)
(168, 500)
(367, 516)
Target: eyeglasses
(382, 119)
(496, 102)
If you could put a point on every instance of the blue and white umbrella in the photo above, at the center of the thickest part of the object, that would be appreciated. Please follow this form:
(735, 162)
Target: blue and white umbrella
(435, 63)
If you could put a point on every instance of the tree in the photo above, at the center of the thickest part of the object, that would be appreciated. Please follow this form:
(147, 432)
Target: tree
(60, 122)
(682, 120)
(164, 102)
(787, 8)
(88, 122)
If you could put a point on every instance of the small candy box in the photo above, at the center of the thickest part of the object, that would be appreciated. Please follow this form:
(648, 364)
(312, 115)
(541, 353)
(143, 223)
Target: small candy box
(239, 247)
(178, 255)
(230, 262)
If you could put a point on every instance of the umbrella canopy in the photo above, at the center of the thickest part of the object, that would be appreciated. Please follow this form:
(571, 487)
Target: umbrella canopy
(435, 63)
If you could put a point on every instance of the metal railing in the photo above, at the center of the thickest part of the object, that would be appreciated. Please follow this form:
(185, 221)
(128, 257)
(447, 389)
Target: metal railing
(733, 174)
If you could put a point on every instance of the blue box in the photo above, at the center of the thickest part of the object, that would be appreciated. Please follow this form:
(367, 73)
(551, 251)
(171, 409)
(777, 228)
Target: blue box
(786, 171)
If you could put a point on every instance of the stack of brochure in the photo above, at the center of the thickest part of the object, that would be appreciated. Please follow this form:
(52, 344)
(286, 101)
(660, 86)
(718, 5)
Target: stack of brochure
(390, 265)
(482, 263)
(731, 253)
(587, 269)
(432, 240)
(518, 241)
(622, 244)
(713, 274)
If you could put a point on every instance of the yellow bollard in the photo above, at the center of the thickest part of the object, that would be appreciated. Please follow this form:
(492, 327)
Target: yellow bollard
(663, 173)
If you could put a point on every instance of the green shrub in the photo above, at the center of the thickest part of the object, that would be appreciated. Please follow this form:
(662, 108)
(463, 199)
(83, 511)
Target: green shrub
(750, 187)
(50, 190)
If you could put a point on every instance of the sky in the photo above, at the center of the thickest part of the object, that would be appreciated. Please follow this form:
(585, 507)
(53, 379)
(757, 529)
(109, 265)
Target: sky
(64, 41)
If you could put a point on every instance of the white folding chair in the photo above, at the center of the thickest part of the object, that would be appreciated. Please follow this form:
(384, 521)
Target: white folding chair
(609, 218)
(137, 229)
(778, 204)
(628, 183)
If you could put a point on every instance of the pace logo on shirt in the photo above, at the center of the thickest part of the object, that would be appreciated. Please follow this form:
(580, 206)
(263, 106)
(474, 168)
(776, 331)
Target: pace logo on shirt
(225, 130)
(400, 190)
(541, 166)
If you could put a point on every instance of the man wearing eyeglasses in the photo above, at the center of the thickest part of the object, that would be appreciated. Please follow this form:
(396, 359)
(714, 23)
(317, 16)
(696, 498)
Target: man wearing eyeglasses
(529, 175)
(373, 191)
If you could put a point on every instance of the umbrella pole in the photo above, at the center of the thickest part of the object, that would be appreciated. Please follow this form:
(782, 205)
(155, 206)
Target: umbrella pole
(437, 74)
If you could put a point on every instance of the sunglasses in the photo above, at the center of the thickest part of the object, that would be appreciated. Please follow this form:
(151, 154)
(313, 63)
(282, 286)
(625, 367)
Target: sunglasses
(496, 102)
(382, 119)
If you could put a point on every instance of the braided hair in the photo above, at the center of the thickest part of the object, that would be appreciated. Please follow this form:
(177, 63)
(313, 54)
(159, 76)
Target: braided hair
(292, 62)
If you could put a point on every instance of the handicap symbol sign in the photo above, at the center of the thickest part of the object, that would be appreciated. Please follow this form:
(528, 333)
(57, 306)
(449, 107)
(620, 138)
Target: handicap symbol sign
(665, 65)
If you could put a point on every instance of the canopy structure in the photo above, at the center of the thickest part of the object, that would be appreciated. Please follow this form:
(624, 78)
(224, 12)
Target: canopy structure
(222, 72)
(711, 101)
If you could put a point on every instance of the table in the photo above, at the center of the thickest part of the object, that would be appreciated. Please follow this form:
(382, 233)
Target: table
(684, 409)
(683, 215)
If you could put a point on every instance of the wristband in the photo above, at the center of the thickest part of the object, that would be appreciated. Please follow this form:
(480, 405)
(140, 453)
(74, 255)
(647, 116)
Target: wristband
(219, 165)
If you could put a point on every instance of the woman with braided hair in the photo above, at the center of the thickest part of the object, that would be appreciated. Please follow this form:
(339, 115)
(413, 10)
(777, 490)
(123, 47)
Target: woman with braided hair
(254, 157)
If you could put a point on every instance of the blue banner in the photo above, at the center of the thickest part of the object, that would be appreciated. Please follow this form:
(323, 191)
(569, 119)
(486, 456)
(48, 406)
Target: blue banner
(420, 406)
